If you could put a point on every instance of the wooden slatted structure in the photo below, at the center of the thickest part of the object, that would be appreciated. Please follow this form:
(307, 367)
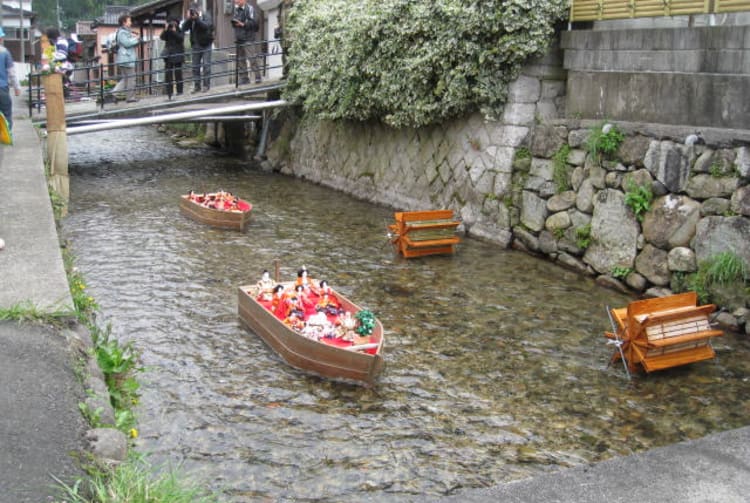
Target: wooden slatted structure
(722, 6)
(420, 233)
(600, 10)
(664, 332)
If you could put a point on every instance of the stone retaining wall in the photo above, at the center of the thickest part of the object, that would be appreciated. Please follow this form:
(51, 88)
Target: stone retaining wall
(526, 180)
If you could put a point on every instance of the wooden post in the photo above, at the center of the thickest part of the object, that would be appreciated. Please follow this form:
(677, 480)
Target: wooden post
(57, 140)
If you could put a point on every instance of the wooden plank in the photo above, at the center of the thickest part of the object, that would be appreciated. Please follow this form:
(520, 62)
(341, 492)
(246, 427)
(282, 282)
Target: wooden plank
(676, 359)
(431, 224)
(422, 252)
(593, 10)
(409, 216)
(732, 6)
(430, 234)
(661, 317)
(648, 306)
(686, 338)
(430, 242)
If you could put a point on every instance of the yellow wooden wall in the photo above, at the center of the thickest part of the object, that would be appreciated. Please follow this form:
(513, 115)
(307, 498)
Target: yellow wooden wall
(598, 10)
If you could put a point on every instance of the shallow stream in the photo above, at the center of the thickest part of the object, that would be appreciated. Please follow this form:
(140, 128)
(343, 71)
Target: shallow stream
(496, 368)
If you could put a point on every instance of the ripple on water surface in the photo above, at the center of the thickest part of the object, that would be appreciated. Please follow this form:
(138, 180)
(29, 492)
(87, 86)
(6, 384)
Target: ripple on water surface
(495, 363)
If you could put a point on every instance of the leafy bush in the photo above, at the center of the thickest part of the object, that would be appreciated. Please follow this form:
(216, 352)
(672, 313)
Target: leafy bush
(411, 63)
(638, 198)
(599, 142)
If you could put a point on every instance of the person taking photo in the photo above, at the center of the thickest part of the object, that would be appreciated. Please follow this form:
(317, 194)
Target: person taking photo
(174, 56)
(245, 22)
(201, 28)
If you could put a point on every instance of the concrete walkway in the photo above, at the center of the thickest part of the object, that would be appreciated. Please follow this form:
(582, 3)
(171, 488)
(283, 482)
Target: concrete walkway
(40, 424)
(41, 427)
(31, 267)
(713, 469)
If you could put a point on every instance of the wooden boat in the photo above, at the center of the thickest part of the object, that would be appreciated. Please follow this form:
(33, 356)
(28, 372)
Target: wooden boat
(356, 362)
(236, 218)
(662, 333)
(420, 233)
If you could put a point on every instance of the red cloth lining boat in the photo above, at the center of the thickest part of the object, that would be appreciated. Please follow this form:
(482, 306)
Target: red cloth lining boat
(357, 360)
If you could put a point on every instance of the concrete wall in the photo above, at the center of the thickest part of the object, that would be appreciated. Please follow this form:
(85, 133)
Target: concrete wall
(697, 76)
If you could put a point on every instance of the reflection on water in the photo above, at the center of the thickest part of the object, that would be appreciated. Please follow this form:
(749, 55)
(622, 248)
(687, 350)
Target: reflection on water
(495, 363)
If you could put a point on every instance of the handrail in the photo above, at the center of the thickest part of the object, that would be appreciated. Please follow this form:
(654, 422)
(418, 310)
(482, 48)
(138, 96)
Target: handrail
(601, 10)
(98, 82)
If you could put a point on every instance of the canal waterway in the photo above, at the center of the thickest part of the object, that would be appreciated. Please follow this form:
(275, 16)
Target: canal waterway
(496, 368)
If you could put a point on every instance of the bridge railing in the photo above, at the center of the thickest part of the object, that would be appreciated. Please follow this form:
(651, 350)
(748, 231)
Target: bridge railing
(99, 82)
(600, 10)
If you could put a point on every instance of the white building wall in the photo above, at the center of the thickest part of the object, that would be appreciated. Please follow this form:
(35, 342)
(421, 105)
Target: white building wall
(274, 61)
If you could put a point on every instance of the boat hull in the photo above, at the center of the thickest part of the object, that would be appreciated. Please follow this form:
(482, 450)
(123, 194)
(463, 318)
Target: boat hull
(310, 355)
(233, 220)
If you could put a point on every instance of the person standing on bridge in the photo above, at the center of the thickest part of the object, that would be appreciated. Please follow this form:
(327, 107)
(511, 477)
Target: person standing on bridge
(246, 23)
(174, 56)
(126, 56)
(7, 79)
(201, 29)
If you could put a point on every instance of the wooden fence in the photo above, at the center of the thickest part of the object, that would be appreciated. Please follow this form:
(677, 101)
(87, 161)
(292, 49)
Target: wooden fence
(598, 10)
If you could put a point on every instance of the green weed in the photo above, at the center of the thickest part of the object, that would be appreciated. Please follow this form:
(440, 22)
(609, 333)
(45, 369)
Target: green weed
(560, 174)
(600, 143)
(583, 236)
(26, 311)
(638, 198)
(725, 268)
(523, 153)
(135, 480)
(620, 272)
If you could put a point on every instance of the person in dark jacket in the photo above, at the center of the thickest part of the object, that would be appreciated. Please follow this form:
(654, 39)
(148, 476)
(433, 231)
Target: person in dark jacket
(245, 21)
(174, 56)
(201, 28)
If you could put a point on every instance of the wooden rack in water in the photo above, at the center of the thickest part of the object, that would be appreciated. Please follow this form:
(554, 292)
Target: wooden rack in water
(420, 233)
(662, 333)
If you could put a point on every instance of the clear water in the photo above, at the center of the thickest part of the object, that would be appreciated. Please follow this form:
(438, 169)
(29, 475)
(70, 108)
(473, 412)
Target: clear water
(496, 368)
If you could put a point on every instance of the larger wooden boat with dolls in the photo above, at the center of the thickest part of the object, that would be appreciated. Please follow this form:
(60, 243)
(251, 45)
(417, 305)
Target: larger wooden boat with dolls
(218, 209)
(316, 330)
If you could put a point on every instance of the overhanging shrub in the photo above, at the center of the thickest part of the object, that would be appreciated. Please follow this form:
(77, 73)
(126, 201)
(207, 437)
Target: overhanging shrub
(411, 63)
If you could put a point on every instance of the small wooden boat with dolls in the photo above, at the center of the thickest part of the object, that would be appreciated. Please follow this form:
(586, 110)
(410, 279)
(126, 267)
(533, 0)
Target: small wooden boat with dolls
(314, 329)
(219, 209)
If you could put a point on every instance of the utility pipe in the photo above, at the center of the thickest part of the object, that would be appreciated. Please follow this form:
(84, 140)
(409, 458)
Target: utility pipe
(210, 118)
(175, 117)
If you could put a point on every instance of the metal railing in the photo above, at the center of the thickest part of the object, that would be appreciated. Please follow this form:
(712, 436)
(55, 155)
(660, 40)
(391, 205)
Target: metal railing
(600, 10)
(98, 81)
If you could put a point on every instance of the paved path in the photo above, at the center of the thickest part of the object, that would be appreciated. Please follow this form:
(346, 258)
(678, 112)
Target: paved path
(713, 469)
(31, 267)
(41, 428)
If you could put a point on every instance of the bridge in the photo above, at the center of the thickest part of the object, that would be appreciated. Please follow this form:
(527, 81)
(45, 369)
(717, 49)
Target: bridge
(92, 101)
